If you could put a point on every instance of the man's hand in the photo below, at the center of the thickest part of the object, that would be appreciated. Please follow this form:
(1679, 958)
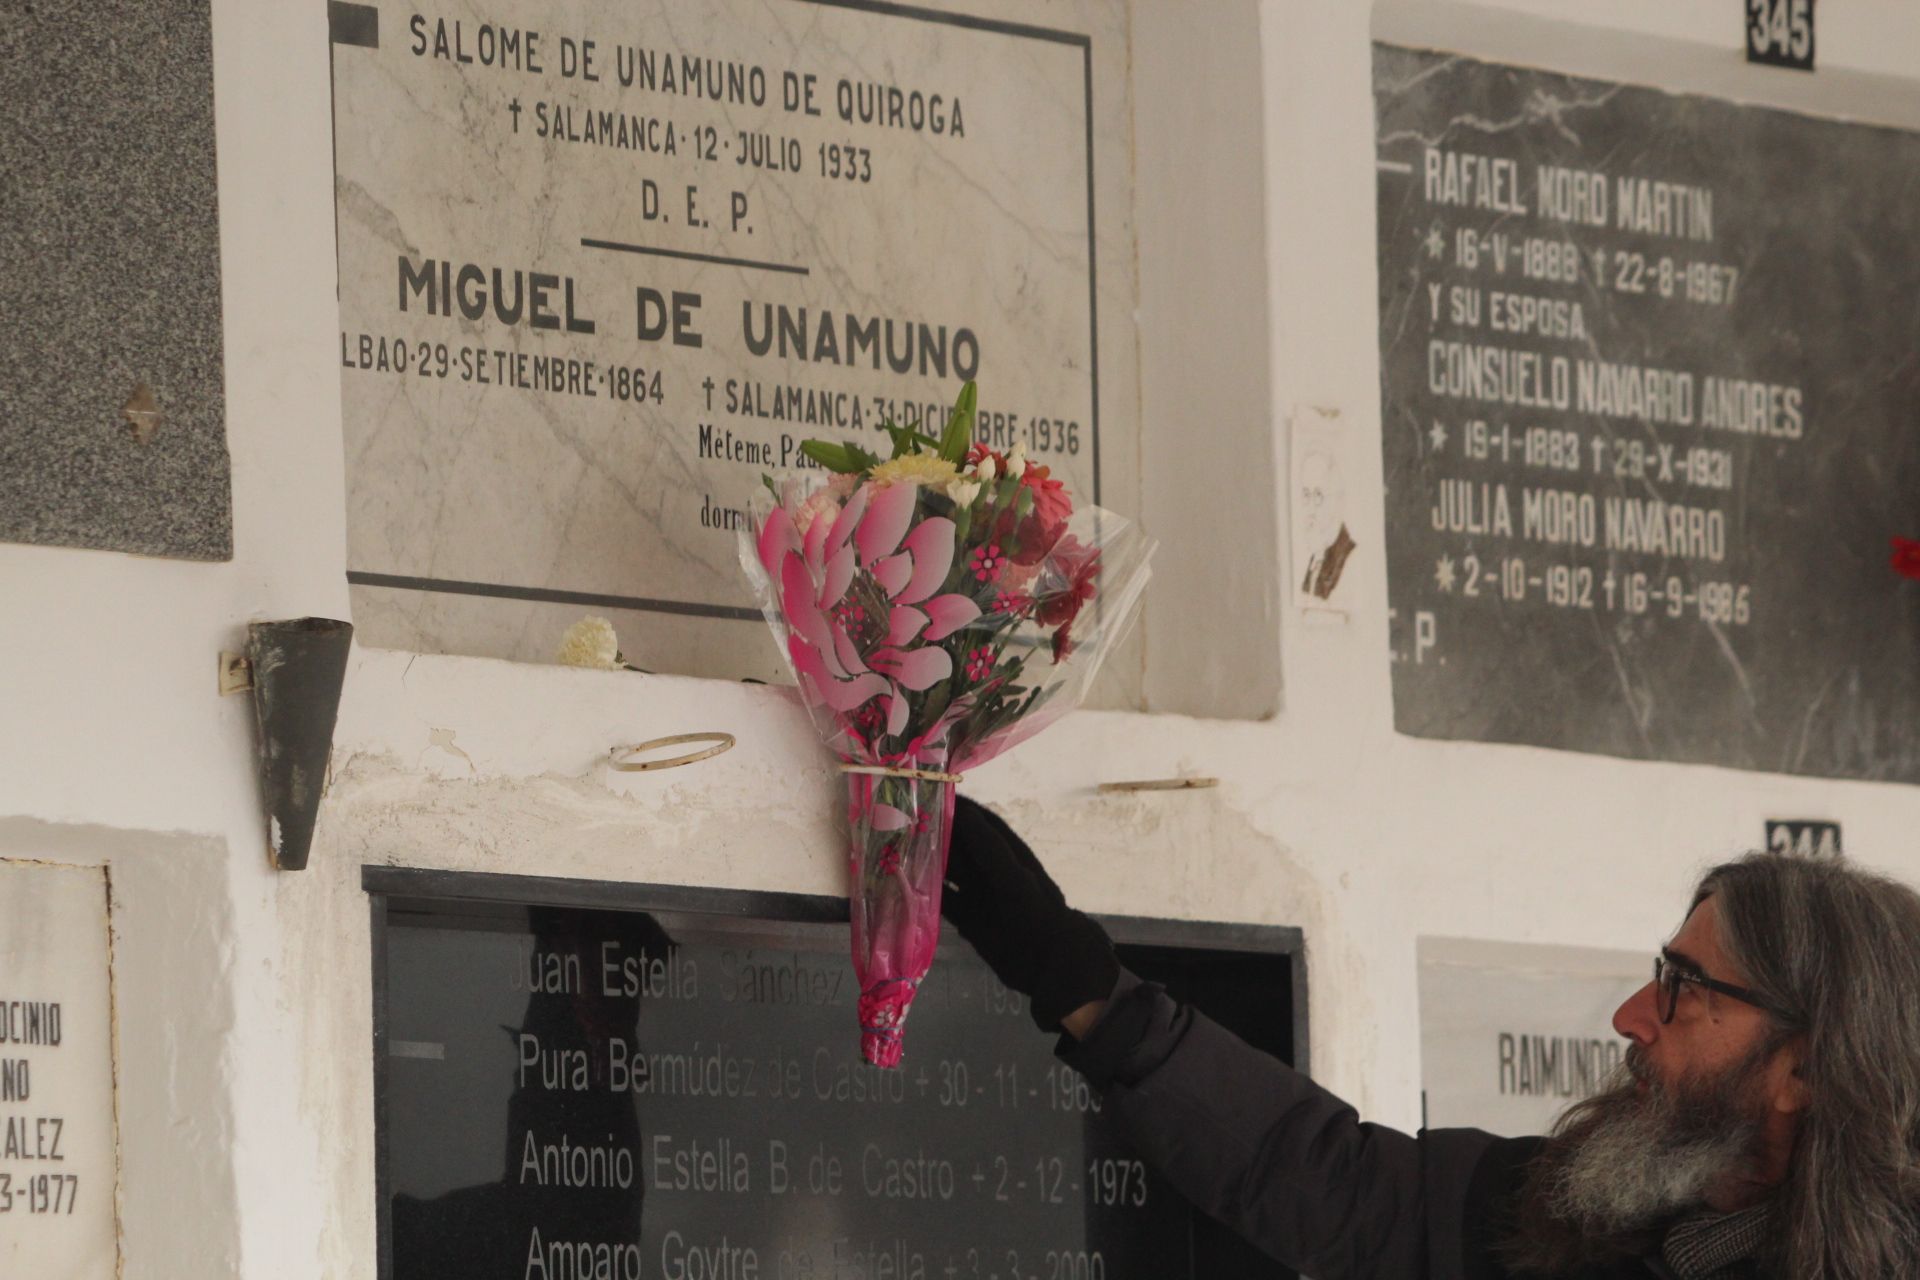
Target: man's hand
(1003, 902)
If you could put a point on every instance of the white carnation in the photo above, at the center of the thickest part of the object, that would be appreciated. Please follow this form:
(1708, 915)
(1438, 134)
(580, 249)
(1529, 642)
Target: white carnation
(590, 642)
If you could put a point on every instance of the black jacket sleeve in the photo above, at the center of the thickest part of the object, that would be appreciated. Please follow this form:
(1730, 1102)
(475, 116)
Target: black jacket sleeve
(1278, 1158)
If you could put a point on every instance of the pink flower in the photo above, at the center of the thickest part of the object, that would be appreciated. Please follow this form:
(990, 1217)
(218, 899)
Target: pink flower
(1016, 603)
(875, 535)
(987, 562)
(853, 620)
(871, 720)
(980, 663)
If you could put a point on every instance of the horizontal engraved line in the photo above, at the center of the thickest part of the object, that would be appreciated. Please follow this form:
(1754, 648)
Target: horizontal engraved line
(619, 247)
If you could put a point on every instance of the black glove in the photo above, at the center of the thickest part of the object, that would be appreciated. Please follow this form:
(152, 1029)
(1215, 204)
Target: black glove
(1003, 902)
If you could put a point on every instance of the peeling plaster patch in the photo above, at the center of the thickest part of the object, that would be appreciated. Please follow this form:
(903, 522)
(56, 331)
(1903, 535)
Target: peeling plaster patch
(779, 837)
(443, 739)
(1184, 855)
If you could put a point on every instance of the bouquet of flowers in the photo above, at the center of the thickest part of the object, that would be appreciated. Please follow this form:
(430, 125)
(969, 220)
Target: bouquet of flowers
(937, 607)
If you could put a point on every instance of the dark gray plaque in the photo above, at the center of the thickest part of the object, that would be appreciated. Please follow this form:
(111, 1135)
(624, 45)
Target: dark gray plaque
(112, 407)
(1650, 379)
(678, 1092)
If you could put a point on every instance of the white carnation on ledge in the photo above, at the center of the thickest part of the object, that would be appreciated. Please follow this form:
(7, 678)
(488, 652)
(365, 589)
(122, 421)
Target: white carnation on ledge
(590, 642)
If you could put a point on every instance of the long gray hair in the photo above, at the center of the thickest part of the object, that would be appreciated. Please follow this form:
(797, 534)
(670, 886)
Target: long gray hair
(1837, 950)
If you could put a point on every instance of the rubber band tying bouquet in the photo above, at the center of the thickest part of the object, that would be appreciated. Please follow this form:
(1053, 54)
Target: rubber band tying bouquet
(936, 608)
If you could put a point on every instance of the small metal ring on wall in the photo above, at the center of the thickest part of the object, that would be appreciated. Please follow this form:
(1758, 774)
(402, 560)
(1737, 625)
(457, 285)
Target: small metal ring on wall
(720, 742)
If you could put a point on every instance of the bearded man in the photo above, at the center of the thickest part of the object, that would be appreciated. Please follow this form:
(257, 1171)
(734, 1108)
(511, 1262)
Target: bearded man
(1765, 1122)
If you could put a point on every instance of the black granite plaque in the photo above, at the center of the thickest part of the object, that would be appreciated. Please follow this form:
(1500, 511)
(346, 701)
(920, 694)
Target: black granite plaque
(112, 404)
(1650, 370)
(679, 1093)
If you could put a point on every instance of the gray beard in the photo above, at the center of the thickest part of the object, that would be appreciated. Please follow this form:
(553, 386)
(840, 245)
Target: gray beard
(1633, 1160)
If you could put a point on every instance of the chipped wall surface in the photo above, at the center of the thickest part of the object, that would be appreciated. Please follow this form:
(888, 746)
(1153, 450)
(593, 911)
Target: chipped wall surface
(244, 993)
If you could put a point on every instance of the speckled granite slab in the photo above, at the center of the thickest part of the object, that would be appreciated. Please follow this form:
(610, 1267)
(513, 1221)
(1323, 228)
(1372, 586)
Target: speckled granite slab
(112, 406)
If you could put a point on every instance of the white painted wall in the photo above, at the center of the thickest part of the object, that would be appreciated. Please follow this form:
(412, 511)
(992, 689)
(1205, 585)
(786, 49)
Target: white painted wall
(244, 993)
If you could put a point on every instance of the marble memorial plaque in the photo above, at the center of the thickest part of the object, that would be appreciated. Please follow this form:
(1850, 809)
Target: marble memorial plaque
(1651, 418)
(603, 267)
(113, 429)
(1511, 1034)
(57, 1146)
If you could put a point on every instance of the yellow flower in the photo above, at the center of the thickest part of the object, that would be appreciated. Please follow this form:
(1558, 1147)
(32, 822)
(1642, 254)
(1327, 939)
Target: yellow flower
(915, 468)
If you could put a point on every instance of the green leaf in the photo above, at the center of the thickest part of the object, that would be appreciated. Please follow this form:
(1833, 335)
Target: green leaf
(958, 437)
(842, 458)
(867, 461)
(936, 703)
(906, 440)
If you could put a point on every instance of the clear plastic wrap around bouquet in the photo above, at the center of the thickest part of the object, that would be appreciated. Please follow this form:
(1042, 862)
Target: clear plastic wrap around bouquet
(937, 608)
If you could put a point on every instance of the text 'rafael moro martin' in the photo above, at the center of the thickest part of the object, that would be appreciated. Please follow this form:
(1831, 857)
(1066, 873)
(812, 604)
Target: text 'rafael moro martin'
(1585, 197)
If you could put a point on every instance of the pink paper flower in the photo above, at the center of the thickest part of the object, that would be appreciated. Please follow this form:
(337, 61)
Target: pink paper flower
(874, 535)
(980, 664)
(870, 720)
(987, 563)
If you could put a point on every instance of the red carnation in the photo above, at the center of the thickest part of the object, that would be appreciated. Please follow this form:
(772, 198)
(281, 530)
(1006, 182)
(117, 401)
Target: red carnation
(980, 452)
(1906, 558)
(1079, 566)
(1051, 505)
(1063, 643)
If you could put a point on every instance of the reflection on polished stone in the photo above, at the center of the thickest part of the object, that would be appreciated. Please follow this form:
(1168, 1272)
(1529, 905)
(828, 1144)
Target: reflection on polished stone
(568, 1092)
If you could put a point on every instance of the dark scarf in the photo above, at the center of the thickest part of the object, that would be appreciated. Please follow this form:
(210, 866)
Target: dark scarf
(1706, 1245)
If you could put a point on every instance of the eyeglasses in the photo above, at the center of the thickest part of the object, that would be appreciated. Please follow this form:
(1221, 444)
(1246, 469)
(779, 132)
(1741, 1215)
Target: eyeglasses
(1670, 975)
